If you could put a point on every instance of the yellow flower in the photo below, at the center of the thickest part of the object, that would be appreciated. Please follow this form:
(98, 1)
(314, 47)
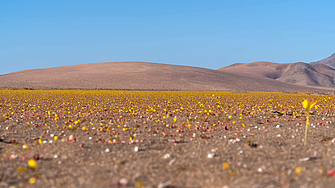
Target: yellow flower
(32, 180)
(40, 141)
(308, 105)
(225, 166)
(55, 137)
(298, 170)
(32, 164)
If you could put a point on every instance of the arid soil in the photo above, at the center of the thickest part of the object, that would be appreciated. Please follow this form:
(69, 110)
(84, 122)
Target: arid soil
(167, 139)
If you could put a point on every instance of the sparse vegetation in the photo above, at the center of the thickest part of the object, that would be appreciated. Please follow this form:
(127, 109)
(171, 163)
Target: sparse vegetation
(204, 139)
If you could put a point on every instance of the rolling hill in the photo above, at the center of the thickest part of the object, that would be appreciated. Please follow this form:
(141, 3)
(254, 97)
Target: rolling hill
(145, 76)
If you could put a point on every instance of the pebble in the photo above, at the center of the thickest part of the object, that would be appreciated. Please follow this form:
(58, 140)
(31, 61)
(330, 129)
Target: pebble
(56, 156)
(164, 185)
(123, 181)
(136, 149)
(210, 155)
(13, 156)
(260, 170)
(277, 126)
(52, 135)
(107, 150)
(166, 156)
(172, 161)
(279, 135)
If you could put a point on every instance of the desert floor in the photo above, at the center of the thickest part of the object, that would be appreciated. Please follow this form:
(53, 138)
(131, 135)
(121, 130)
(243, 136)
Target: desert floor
(165, 139)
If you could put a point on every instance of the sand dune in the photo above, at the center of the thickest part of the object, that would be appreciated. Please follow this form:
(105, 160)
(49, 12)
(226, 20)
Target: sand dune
(141, 76)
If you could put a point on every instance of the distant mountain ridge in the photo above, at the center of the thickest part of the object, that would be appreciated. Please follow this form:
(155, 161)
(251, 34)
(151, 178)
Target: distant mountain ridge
(329, 61)
(303, 74)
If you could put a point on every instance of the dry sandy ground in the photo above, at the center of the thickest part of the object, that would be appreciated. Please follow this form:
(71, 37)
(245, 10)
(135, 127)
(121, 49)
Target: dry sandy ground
(259, 160)
(267, 152)
(142, 76)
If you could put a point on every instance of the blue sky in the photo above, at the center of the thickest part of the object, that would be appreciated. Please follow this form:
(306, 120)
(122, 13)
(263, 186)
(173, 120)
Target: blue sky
(209, 34)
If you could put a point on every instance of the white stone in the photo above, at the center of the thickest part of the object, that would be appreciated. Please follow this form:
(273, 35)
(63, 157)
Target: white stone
(210, 155)
(166, 156)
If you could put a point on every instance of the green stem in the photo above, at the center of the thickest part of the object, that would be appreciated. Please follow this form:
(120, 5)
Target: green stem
(307, 123)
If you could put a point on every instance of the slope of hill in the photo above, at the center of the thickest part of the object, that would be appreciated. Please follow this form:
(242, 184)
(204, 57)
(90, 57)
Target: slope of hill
(293, 73)
(140, 76)
(329, 61)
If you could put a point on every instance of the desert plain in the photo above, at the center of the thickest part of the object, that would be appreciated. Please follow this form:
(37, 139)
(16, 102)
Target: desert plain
(77, 138)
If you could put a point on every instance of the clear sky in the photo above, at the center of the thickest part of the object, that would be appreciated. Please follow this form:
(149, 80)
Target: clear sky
(209, 34)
